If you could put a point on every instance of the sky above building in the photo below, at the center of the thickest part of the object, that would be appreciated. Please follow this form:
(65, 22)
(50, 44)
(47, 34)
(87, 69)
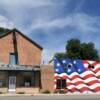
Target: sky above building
(52, 22)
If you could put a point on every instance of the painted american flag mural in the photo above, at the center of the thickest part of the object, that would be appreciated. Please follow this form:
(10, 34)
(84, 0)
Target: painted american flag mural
(81, 76)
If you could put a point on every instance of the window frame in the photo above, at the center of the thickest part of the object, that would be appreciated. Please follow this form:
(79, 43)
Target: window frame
(15, 57)
(61, 84)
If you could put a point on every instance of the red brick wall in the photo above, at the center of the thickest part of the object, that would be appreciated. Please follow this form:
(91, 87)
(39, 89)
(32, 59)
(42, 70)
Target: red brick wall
(6, 46)
(28, 53)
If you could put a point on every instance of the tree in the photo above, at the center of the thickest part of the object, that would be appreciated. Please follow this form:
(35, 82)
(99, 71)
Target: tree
(77, 50)
(73, 48)
(60, 55)
(3, 30)
(88, 51)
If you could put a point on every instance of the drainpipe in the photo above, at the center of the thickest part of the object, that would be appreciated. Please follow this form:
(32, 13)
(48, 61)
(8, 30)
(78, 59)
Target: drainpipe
(15, 46)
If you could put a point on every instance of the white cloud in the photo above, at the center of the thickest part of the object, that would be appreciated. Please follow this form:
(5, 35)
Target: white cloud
(86, 23)
(28, 3)
(48, 54)
(82, 22)
(23, 12)
(4, 22)
(79, 21)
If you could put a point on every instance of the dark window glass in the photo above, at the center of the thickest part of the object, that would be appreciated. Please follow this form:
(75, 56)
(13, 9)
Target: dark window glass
(66, 66)
(3, 83)
(90, 66)
(69, 65)
(61, 83)
(27, 81)
(58, 84)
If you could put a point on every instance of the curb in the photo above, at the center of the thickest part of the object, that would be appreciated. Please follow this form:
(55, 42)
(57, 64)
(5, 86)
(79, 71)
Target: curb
(49, 94)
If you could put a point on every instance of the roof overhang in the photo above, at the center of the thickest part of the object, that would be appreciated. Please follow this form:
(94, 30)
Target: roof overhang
(16, 30)
(4, 67)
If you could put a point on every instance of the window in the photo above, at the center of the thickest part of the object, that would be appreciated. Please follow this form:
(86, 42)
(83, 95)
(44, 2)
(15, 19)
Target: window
(27, 82)
(66, 66)
(13, 58)
(90, 66)
(2, 83)
(61, 83)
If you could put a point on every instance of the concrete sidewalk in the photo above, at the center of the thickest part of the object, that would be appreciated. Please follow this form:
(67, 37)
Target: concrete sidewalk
(47, 94)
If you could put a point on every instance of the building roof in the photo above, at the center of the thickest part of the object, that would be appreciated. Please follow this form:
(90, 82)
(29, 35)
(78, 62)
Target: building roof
(15, 30)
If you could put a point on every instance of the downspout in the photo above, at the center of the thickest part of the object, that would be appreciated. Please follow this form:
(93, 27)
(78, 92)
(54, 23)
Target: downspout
(15, 46)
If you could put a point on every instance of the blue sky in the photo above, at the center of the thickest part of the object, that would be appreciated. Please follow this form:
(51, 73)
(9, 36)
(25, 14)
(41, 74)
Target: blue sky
(52, 22)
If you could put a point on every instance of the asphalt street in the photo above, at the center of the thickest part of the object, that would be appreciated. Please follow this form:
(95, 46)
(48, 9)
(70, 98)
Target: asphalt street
(65, 97)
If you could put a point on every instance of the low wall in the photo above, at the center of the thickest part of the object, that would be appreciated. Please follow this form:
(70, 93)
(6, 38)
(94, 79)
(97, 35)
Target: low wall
(27, 90)
(3, 90)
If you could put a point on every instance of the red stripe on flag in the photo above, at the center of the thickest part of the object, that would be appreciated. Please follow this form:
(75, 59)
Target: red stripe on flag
(84, 89)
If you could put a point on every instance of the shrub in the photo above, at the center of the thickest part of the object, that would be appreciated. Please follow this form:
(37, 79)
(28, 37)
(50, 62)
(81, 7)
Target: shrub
(46, 91)
(1, 92)
(62, 92)
(21, 93)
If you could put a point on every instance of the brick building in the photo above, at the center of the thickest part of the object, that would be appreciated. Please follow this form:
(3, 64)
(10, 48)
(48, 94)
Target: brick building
(20, 59)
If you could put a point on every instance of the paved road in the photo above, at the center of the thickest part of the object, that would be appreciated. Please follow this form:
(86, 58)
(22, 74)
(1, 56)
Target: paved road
(83, 97)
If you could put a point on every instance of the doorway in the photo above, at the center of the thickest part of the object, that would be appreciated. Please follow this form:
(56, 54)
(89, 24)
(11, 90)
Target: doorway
(12, 84)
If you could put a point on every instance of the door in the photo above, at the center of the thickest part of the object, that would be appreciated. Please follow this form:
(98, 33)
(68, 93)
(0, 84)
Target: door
(12, 83)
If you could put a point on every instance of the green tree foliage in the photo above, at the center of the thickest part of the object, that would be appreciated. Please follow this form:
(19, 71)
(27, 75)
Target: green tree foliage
(60, 55)
(88, 51)
(73, 48)
(77, 50)
(3, 30)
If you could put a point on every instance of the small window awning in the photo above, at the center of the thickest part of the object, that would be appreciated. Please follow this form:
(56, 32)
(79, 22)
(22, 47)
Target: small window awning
(4, 67)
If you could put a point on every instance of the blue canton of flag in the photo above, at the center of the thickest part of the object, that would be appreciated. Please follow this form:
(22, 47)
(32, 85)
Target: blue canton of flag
(58, 68)
(79, 65)
(68, 66)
